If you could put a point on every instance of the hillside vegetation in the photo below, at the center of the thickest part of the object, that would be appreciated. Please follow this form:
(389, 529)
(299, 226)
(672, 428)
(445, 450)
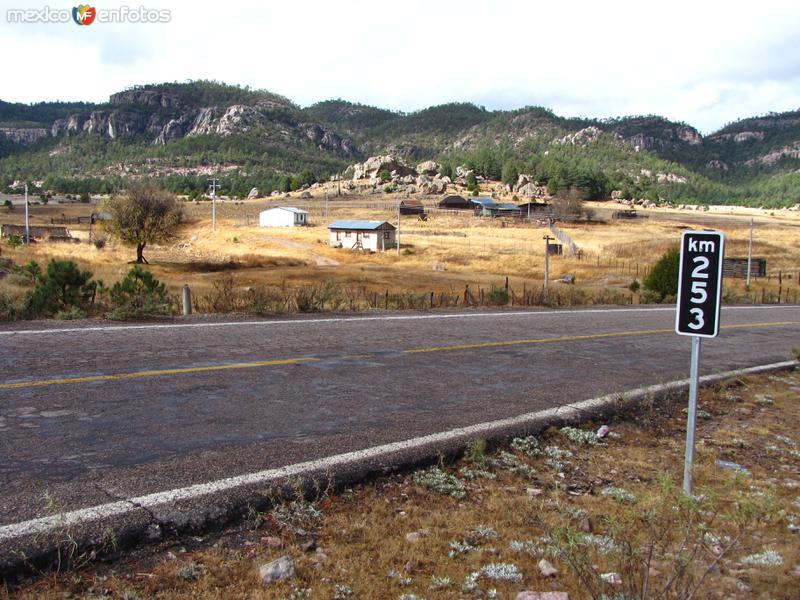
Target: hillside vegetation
(183, 133)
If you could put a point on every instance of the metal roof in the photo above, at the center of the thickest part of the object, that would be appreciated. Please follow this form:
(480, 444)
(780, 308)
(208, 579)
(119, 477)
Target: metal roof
(507, 206)
(292, 209)
(485, 202)
(359, 225)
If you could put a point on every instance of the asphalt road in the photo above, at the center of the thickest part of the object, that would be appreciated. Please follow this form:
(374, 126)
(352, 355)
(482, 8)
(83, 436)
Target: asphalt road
(91, 413)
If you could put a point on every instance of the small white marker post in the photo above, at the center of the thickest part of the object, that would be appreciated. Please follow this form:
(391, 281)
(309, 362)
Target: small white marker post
(697, 314)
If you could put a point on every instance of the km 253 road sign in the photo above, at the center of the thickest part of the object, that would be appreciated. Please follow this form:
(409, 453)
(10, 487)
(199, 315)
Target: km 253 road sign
(700, 283)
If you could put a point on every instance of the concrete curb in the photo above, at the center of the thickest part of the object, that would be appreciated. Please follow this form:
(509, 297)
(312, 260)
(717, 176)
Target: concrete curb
(211, 505)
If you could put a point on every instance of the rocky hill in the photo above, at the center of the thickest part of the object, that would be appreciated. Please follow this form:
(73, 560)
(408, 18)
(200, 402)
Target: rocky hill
(181, 133)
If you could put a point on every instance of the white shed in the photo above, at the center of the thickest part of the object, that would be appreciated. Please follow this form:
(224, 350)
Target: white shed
(282, 216)
(362, 235)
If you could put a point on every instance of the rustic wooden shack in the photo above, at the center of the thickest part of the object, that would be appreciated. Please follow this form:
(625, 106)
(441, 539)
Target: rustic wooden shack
(455, 203)
(37, 232)
(412, 207)
(737, 267)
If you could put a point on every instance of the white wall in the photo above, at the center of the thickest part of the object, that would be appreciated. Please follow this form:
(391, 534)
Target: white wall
(276, 217)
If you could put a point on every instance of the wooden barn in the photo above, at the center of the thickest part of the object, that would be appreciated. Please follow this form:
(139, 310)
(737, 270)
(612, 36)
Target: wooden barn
(412, 207)
(37, 232)
(455, 203)
(362, 235)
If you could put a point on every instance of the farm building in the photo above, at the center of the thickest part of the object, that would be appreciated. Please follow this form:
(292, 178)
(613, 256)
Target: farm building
(486, 207)
(412, 207)
(455, 203)
(282, 216)
(37, 232)
(534, 208)
(362, 235)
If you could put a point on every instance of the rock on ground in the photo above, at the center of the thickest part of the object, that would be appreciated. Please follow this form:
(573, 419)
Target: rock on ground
(282, 568)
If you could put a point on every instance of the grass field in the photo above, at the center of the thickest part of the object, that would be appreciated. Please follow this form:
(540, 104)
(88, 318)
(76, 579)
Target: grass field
(443, 254)
(480, 526)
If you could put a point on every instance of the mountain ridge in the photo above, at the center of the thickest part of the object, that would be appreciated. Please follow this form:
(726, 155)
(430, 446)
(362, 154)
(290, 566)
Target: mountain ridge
(158, 129)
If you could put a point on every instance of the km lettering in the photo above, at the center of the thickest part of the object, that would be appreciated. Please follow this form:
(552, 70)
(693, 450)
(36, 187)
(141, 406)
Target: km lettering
(701, 246)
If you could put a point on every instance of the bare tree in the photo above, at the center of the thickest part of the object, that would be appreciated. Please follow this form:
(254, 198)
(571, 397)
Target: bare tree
(144, 214)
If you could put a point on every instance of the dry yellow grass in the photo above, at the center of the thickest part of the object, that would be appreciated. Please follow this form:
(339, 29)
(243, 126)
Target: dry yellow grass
(444, 253)
(362, 533)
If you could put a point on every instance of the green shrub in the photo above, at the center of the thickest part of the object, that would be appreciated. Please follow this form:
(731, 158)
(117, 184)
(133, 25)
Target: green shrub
(14, 240)
(62, 287)
(8, 310)
(663, 277)
(498, 296)
(137, 296)
(649, 297)
(384, 175)
(634, 286)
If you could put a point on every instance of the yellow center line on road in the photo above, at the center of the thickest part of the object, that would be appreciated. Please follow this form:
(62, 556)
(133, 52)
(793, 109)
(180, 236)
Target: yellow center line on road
(309, 359)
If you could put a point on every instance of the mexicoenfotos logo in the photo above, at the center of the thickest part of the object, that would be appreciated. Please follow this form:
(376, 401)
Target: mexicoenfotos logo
(84, 14)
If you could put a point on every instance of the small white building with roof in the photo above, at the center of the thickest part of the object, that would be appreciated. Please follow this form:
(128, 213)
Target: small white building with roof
(362, 235)
(282, 216)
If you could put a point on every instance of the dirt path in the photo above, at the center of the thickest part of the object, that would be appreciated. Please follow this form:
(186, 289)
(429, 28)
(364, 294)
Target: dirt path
(319, 260)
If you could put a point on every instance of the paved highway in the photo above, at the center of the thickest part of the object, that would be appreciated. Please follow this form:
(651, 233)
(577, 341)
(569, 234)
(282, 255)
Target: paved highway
(91, 413)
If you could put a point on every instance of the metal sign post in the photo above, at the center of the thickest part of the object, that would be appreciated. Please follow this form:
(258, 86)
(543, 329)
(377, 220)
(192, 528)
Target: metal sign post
(697, 314)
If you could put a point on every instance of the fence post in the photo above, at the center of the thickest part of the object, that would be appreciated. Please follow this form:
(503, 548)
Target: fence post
(187, 300)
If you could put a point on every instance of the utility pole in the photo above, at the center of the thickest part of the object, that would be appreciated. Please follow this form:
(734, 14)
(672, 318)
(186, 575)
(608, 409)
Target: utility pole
(27, 223)
(547, 239)
(326, 205)
(213, 187)
(398, 228)
(750, 252)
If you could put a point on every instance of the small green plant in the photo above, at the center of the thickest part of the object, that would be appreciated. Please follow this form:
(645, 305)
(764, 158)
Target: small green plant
(476, 452)
(62, 287)
(8, 310)
(137, 296)
(14, 240)
(663, 277)
(634, 286)
(498, 296)
(8, 204)
(441, 481)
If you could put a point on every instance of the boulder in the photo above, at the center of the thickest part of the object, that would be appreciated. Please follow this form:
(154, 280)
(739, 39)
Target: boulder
(438, 186)
(429, 167)
(531, 190)
(462, 171)
(374, 164)
(282, 568)
(276, 193)
(253, 194)
(305, 195)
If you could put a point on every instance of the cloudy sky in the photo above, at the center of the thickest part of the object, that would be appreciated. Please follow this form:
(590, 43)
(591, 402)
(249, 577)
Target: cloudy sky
(703, 62)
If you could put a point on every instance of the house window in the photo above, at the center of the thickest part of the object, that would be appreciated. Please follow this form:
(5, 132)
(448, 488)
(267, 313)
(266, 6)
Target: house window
(347, 234)
(366, 235)
(338, 235)
(386, 235)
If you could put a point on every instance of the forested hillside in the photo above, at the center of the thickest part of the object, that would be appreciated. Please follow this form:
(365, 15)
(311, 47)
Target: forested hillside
(183, 133)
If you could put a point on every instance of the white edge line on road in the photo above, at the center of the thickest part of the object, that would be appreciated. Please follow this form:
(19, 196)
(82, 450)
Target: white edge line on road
(528, 313)
(129, 505)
